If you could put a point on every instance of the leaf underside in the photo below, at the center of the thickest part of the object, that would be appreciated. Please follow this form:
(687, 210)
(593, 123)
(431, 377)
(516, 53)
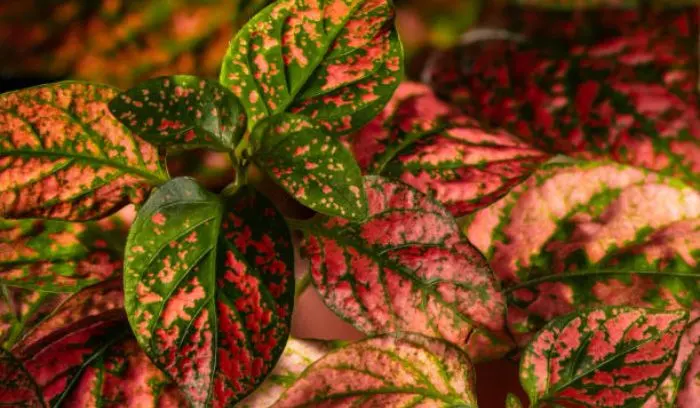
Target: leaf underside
(337, 61)
(64, 156)
(407, 268)
(591, 234)
(209, 289)
(388, 371)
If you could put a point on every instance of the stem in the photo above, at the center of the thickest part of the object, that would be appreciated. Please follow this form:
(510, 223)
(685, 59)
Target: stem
(302, 285)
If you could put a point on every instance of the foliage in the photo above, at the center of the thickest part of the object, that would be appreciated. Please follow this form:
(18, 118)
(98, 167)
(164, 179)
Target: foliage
(537, 198)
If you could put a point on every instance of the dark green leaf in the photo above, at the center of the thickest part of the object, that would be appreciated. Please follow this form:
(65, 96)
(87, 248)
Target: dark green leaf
(337, 61)
(182, 111)
(310, 165)
(209, 288)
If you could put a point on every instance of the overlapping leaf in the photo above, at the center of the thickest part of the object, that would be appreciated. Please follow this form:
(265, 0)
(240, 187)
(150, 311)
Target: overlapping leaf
(83, 355)
(337, 61)
(421, 141)
(17, 387)
(387, 371)
(310, 165)
(591, 234)
(630, 97)
(406, 268)
(64, 156)
(610, 357)
(209, 289)
(121, 42)
(21, 309)
(55, 256)
(297, 356)
(182, 111)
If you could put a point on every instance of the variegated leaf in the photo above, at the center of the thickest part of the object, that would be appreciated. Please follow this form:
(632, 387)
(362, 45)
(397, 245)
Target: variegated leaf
(310, 165)
(610, 357)
(337, 61)
(182, 111)
(83, 355)
(388, 371)
(209, 289)
(21, 309)
(17, 387)
(56, 256)
(421, 141)
(297, 356)
(64, 156)
(630, 97)
(121, 42)
(591, 234)
(407, 268)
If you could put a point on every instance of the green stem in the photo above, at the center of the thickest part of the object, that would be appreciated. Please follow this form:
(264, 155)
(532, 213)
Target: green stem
(302, 285)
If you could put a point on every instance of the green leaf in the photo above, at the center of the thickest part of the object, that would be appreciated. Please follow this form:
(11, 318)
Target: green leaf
(209, 288)
(182, 111)
(17, 387)
(21, 309)
(610, 357)
(512, 401)
(337, 61)
(64, 156)
(406, 268)
(298, 355)
(388, 371)
(56, 256)
(310, 165)
(591, 234)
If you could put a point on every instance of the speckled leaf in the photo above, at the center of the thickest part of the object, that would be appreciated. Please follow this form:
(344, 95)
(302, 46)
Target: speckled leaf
(337, 61)
(421, 141)
(17, 387)
(83, 355)
(209, 289)
(297, 356)
(591, 234)
(63, 155)
(55, 256)
(310, 165)
(407, 268)
(21, 309)
(388, 371)
(182, 111)
(630, 97)
(118, 42)
(611, 357)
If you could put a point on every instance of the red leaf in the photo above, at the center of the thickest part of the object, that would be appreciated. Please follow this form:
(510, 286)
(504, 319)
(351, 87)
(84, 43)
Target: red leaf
(17, 387)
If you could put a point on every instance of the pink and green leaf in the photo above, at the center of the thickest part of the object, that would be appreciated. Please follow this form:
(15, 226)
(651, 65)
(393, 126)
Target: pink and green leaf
(336, 61)
(588, 235)
(609, 357)
(21, 309)
(298, 355)
(64, 156)
(393, 370)
(406, 268)
(17, 387)
(310, 165)
(419, 140)
(182, 111)
(630, 97)
(56, 256)
(209, 289)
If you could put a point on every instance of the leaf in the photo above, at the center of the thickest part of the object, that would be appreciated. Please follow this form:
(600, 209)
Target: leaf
(297, 356)
(64, 156)
(337, 61)
(182, 111)
(630, 97)
(387, 371)
(421, 141)
(577, 4)
(512, 401)
(84, 356)
(591, 234)
(56, 256)
(17, 387)
(120, 43)
(209, 289)
(609, 357)
(407, 269)
(21, 309)
(314, 168)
